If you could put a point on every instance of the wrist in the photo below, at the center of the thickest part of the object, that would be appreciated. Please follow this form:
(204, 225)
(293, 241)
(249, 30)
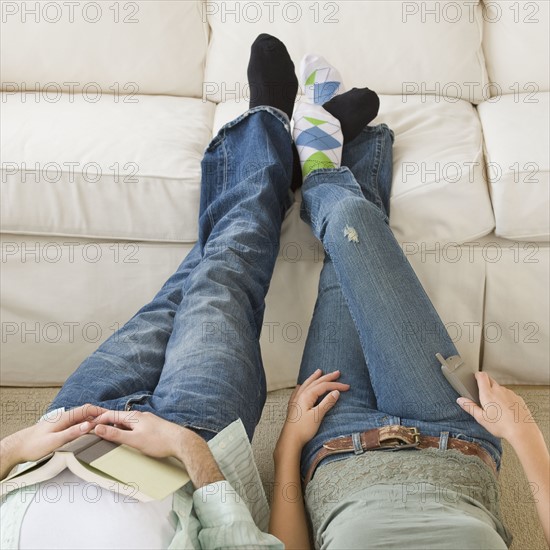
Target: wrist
(197, 458)
(10, 453)
(523, 435)
(183, 442)
(287, 449)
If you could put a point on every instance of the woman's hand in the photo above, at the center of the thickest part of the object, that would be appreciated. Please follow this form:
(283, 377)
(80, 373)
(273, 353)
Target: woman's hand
(144, 431)
(42, 438)
(504, 412)
(303, 416)
(288, 521)
(52, 432)
(506, 415)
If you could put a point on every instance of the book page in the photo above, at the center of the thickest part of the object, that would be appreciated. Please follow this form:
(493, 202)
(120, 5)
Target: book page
(36, 473)
(26, 467)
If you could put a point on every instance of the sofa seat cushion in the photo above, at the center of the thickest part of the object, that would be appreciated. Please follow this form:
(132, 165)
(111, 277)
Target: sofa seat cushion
(516, 331)
(63, 296)
(439, 192)
(110, 169)
(518, 155)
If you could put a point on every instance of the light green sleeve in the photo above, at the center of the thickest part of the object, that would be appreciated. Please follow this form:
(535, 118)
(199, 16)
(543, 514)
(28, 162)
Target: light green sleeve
(233, 513)
(226, 521)
(13, 508)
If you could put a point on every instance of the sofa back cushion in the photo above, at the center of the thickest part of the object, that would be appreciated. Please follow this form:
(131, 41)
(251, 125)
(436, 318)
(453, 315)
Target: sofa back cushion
(138, 47)
(392, 47)
(516, 42)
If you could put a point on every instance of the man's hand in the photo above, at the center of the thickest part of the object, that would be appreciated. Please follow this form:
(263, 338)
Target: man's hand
(159, 438)
(42, 438)
(503, 412)
(303, 416)
(144, 431)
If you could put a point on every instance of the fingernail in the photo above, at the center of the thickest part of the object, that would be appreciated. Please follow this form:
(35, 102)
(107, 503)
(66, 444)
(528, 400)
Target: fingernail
(84, 427)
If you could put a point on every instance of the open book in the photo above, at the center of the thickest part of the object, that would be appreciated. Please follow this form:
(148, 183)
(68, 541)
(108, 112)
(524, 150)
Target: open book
(115, 467)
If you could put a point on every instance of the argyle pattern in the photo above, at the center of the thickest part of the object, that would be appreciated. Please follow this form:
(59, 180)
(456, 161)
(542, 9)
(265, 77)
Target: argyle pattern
(318, 138)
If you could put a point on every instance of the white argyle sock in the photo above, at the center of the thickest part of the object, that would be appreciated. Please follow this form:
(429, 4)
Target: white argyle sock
(318, 138)
(319, 79)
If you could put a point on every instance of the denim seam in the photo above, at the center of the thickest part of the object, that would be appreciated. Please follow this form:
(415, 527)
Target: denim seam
(278, 114)
(225, 154)
(376, 168)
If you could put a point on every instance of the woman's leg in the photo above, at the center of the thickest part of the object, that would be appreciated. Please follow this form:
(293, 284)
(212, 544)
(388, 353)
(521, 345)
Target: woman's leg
(399, 329)
(333, 341)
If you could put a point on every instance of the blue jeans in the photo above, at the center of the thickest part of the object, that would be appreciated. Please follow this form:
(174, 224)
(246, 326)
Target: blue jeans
(192, 355)
(387, 331)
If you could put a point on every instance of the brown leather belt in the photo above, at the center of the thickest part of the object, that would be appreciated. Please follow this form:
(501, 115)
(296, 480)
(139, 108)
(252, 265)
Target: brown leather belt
(394, 437)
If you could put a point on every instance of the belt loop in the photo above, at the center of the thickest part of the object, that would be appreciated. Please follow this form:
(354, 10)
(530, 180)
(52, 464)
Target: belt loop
(443, 440)
(356, 440)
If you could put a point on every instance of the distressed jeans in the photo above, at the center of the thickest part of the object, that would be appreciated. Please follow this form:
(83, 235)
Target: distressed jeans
(192, 355)
(385, 331)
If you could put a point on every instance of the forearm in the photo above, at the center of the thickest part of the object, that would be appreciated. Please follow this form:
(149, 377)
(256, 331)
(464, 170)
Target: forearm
(532, 452)
(224, 517)
(198, 460)
(8, 455)
(288, 516)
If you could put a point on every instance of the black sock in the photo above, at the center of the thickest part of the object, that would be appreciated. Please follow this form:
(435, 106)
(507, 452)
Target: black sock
(297, 178)
(354, 109)
(271, 75)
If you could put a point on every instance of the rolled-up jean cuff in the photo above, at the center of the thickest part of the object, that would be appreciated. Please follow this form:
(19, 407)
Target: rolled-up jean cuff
(327, 171)
(281, 116)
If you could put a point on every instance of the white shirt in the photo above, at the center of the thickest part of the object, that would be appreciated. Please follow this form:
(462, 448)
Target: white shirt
(226, 514)
(56, 518)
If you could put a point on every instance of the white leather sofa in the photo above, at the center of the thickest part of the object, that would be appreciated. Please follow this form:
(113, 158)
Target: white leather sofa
(107, 108)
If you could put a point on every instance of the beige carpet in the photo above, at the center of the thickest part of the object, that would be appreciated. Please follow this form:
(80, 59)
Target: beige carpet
(21, 407)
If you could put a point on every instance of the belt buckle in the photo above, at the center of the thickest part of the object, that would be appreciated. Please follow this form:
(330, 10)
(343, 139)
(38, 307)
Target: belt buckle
(397, 444)
(416, 432)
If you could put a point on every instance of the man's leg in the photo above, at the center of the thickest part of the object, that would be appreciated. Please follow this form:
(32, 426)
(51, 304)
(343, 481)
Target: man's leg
(398, 327)
(126, 368)
(213, 372)
(128, 364)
